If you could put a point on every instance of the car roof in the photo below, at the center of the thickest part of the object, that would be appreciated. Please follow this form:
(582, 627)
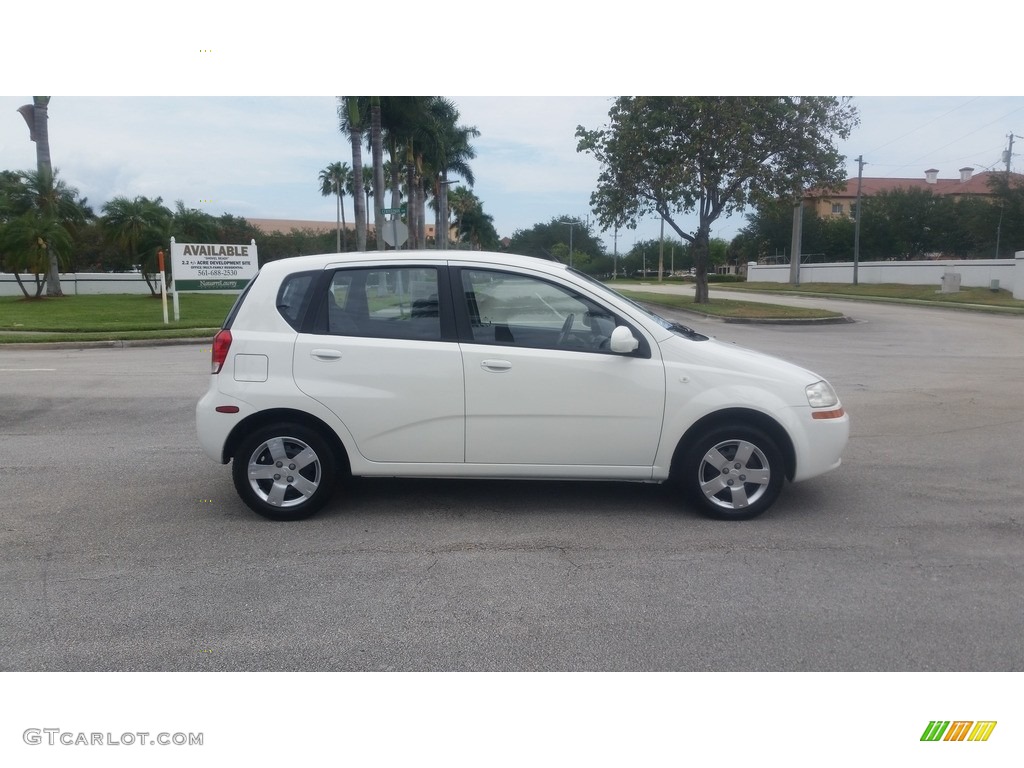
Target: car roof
(322, 260)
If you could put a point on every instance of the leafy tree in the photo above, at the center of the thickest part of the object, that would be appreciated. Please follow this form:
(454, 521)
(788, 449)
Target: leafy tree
(1009, 220)
(769, 231)
(334, 180)
(296, 242)
(551, 240)
(92, 252)
(645, 254)
(712, 156)
(190, 225)
(236, 229)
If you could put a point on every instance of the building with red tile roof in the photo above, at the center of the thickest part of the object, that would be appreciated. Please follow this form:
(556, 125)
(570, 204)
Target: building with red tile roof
(843, 202)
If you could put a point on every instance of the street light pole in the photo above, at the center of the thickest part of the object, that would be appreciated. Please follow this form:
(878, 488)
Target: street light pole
(572, 223)
(856, 224)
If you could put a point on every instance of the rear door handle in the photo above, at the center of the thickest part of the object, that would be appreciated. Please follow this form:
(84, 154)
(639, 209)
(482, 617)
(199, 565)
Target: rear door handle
(497, 366)
(326, 354)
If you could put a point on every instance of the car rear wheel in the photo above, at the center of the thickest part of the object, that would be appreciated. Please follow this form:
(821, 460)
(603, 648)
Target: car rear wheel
(284, 471)
(733, 472)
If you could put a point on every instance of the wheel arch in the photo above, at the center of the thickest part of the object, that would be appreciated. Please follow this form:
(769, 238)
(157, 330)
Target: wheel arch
(745, 416)
(273, 415)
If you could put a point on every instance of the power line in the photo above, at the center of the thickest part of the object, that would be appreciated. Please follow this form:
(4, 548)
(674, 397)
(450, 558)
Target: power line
(964, 136)
(925, 125)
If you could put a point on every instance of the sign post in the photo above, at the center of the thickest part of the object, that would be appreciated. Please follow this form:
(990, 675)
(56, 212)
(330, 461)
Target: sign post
(395, 213)
(163, 283)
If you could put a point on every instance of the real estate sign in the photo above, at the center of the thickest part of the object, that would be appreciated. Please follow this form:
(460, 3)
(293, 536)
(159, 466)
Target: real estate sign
(212, 267)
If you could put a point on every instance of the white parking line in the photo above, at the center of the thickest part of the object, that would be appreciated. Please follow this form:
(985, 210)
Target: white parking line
(25, 370)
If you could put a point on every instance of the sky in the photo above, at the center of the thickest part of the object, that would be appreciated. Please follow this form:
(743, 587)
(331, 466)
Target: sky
(236, 114)
(259, 157)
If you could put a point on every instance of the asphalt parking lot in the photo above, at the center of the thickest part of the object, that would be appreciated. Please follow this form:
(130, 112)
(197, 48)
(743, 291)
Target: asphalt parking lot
(126, 549)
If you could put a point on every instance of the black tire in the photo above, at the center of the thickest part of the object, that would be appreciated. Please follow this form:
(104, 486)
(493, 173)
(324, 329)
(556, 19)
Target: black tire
(272, 483)
(732, 472)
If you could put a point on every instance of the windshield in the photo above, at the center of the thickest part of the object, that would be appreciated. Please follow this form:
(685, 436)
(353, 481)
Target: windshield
(668, 325)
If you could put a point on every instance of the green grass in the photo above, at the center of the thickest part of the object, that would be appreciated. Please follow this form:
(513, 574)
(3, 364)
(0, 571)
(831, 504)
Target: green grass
(112, 312)
(740, 310)
(111, 316)
(977, 297)
(126, 317)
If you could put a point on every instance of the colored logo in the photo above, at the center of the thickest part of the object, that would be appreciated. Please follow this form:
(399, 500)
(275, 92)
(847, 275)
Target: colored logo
(958, 730)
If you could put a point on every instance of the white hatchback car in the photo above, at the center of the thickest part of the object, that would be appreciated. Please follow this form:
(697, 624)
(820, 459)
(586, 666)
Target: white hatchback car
(486, 365)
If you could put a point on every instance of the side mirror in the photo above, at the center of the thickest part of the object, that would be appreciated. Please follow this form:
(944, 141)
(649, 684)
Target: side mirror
(623, 342)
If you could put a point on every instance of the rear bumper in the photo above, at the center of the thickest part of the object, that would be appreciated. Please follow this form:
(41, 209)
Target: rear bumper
(213, 427)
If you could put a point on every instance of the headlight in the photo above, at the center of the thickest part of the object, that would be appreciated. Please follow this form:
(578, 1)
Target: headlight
(821, 395)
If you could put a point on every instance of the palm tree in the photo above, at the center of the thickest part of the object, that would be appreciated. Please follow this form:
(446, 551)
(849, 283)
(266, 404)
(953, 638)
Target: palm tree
(377, 153)
(402, 121)
(399, 117)
(463, 202)
(140, 226)
(36, 116)
(479, 227)
(56, 203)
(368, 191)
(30, 242)
(448, 151)
(351, 120)
(334, 181)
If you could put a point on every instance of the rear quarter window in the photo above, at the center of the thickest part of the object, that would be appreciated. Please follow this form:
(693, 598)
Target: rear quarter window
(230, 319)
(293, 297)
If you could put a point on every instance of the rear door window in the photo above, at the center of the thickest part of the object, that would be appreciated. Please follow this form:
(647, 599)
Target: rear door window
(382, 302)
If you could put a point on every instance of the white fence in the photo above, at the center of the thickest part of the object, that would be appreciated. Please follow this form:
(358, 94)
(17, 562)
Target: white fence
(80, 283)
(974, 273)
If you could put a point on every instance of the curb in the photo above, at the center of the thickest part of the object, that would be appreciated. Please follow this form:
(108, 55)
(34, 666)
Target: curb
(110, 344)
(843, 319)
(789, 320)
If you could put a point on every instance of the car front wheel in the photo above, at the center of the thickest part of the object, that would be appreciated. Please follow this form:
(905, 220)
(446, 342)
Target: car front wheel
(284, 471)
(733, 472)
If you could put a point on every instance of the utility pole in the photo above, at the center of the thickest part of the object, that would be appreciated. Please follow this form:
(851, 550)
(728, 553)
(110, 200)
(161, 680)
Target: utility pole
(798, 217)
(794, 262)
(856, 221)
(661, 251)
(1007, 155)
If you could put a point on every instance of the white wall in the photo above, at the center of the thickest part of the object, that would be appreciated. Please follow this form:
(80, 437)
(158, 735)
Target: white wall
(80, 283)
(974, 273)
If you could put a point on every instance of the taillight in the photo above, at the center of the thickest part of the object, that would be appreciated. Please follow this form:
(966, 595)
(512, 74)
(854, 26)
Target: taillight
(221, 345)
